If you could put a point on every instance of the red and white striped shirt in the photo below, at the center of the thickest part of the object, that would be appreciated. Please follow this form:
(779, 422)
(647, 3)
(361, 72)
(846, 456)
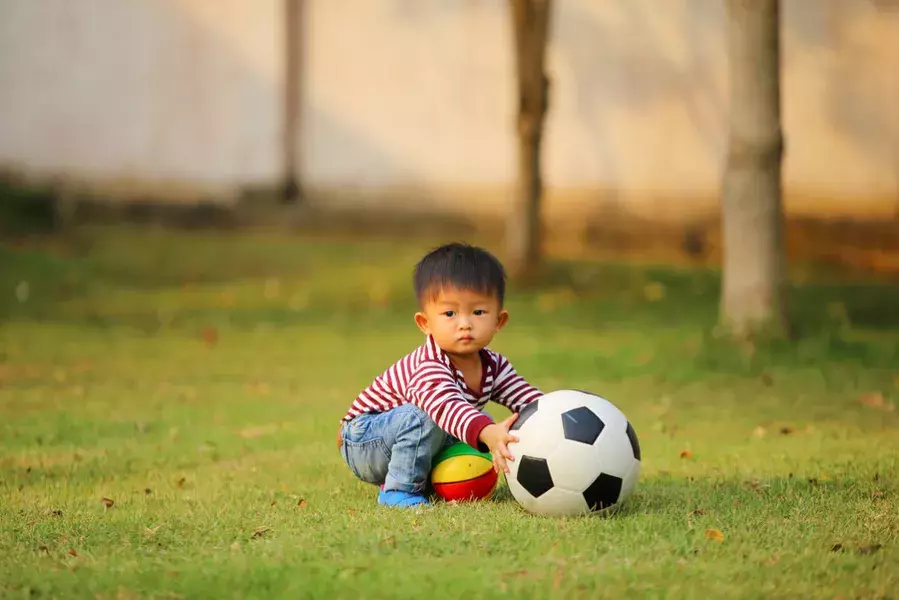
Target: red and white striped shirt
(427, 378)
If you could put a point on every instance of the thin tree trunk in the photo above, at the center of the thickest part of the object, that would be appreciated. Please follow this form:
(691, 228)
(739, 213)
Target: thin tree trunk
(754, 286)
(293, 35)
(523, 234)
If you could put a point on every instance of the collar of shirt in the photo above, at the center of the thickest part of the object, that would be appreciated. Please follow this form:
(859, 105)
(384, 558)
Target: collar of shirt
(433, 351)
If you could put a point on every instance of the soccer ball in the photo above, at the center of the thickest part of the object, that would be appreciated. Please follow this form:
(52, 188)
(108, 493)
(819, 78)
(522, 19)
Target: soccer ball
(576, 454)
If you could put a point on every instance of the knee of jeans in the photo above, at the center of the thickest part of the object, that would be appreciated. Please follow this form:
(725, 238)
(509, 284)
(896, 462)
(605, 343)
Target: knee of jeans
(416, 418)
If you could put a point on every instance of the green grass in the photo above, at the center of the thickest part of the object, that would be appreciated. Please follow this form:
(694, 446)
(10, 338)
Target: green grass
(196, 380)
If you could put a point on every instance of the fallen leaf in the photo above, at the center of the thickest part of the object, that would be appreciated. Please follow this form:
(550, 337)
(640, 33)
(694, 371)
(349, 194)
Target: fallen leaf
(558, 577)
(686, 454)
(865, 550)
(836, 548)
(210, 335)
(759, 432)
(58, 513)
(72, 552)
(351, 511)
(151, 531)
(180, 482)
(786, 430)
(388, 541)
(877, 494)
(261, 531)
(273, 502)
(148, 491)
(877, 401)
(302, 503)
(696, 513)
(714, 535)
(107, 502)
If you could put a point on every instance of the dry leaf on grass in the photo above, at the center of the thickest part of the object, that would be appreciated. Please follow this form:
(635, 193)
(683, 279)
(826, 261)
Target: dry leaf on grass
(72, 552)
(107, 502)
(389, 541)
(180, 482)
(714, 535)
(261, 531)
(877, 401)
(302, 503)
(686, 454)
(210, 335)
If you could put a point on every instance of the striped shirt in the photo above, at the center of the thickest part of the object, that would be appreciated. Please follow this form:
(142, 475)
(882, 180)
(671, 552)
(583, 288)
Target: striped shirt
(428, 379)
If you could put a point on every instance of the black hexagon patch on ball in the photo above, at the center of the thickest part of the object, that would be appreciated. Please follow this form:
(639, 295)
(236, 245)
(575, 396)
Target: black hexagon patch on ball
(581, 425)
(635, 445)
(533, 475)
(524, 414)
(603, 492)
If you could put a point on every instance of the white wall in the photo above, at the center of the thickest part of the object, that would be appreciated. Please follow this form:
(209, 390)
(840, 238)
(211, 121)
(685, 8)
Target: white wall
(182, 91)
(419, 95)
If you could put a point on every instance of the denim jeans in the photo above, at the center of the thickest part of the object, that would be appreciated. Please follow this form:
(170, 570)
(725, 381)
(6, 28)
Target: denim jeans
(393, 448)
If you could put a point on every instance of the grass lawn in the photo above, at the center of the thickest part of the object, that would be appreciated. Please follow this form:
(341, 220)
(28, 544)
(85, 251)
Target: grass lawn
(168, 404)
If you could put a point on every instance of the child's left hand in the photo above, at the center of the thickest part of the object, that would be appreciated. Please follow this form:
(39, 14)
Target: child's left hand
(497, 438)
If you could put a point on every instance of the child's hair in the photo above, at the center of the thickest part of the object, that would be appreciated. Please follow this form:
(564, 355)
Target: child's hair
(460, 266)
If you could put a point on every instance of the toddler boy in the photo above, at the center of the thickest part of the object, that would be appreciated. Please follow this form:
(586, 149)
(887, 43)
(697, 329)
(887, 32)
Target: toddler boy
(434, 396)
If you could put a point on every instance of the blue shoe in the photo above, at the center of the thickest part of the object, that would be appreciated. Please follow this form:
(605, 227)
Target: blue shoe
(401, 499)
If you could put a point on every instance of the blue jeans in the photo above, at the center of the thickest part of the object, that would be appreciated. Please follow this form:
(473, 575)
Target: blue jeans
(393, 448)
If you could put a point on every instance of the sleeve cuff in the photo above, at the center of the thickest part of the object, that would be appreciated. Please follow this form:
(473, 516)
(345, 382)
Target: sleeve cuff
(474, 430)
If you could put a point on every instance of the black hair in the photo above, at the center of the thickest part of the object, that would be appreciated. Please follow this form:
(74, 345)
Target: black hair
(461, 266)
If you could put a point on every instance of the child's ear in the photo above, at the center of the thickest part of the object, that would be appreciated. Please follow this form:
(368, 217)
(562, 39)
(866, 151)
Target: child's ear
(502, 319)
(422, 321)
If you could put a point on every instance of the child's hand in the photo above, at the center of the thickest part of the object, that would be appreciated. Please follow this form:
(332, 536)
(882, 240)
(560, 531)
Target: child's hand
(497, 437)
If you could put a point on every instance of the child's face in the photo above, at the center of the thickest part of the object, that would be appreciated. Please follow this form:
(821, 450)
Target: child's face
(461, 321)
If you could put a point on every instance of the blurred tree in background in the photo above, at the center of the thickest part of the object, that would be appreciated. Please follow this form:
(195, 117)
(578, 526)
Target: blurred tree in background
(531, 28)
(754, 272)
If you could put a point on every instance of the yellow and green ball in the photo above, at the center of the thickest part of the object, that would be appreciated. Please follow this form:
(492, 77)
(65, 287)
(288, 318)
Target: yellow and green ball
(460, 472)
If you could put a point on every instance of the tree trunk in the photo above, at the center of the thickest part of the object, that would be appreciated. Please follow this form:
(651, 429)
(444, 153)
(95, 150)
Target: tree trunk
(293, 37)
(523, 234)
(753, 296)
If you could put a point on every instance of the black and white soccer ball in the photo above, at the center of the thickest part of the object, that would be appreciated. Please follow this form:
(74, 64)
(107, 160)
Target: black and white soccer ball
(576, 454)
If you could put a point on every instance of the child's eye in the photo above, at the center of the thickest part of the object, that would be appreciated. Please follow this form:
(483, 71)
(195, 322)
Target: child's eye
(450, 313)
(480, 312)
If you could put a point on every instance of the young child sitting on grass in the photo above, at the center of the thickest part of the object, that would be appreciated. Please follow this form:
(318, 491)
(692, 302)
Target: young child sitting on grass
(434, 396)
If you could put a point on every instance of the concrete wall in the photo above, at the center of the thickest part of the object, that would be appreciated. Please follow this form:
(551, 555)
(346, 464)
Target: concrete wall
(413, 100)
(165, 96)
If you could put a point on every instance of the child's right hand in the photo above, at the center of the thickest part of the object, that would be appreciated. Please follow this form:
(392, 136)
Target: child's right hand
(497, 438)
